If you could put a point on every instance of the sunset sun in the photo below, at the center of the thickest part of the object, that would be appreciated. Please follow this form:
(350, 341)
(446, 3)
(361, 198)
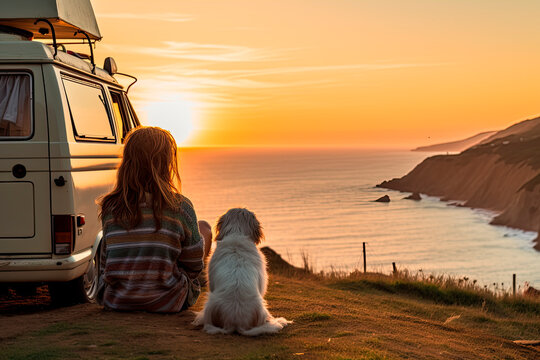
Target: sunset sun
(177, 116)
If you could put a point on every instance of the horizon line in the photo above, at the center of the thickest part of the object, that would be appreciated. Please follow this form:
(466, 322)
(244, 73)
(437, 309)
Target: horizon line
(294, 147)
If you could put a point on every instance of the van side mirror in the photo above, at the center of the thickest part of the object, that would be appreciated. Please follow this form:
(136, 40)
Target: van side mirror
(110, 66)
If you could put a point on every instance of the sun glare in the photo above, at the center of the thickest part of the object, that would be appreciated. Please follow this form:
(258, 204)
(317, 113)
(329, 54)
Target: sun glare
(177, 116)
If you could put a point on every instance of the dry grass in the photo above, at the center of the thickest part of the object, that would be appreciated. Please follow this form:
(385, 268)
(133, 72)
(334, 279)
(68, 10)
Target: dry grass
(444, 289)
(335, 317)
(441, 289)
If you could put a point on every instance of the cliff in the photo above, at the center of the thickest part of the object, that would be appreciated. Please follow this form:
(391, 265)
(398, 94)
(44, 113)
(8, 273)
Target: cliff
(457, 146)
(502, 174)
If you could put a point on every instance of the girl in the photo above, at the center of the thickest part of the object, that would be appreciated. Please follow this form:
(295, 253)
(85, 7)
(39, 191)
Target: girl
(152, 250)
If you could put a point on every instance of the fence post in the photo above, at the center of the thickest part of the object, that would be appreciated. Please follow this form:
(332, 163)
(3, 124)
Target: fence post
(514, 284)
(364, 251)
(394, 268)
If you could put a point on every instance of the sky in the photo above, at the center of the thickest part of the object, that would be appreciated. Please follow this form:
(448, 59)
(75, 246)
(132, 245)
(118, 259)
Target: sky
(326, 73)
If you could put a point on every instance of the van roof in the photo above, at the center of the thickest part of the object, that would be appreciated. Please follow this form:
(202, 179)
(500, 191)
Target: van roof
(24, 51)
(67, 17)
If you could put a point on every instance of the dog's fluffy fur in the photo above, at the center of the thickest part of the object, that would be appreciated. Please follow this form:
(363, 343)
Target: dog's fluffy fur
(238, 279)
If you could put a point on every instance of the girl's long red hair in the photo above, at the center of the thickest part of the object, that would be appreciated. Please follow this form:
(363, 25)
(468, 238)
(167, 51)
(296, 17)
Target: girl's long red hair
(149, 166)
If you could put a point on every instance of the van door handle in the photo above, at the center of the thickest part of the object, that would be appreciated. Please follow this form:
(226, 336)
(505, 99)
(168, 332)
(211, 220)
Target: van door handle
(60, 181)
(19, 171)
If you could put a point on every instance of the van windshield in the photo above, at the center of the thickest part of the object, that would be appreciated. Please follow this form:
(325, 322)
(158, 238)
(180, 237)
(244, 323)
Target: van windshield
(88, 110)
(15, 106)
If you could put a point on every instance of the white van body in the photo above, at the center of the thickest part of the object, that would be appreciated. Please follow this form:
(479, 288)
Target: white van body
(62, 124)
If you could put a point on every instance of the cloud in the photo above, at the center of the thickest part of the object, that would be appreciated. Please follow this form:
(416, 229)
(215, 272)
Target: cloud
(218, 86)
(217, 73)
(152, 16)
(201, 52)
(244, 73)
(193, 83)
(214, 91)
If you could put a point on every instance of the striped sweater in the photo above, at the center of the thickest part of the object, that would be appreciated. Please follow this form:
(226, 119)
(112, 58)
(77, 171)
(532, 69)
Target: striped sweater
(145, 269)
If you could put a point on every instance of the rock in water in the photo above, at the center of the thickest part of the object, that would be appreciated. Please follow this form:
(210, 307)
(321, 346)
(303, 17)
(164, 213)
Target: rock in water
(385, 199)
(414, 196)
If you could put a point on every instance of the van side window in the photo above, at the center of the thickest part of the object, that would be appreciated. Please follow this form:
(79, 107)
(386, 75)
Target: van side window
(15, 106)
(88, 109)
(132, 113)
(121, 114)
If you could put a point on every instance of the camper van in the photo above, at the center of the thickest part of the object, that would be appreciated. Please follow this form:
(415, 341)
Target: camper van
(62, 123)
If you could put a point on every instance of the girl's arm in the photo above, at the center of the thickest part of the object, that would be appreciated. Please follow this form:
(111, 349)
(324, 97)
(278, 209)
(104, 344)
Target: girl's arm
(191, 257)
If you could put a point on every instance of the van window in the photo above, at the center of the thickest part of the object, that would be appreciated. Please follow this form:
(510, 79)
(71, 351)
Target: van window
(89, 114)
(122, 114)
(132, 113)
(15, 106)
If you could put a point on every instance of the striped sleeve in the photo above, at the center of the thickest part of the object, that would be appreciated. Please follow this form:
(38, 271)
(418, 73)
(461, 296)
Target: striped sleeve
(191, 257)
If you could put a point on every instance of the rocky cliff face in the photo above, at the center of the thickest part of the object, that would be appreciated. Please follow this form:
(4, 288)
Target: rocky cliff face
(501, 175)
(524, 210)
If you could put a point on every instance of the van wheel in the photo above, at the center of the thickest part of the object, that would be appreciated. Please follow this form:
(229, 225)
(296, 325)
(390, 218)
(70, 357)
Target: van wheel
(90, 278)
(67, 293)
(80, 290)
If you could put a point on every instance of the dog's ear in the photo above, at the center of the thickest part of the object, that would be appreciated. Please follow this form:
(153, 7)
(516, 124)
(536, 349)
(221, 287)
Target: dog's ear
(219, 226)
(228, 223)
(255, 228)
(239, 220)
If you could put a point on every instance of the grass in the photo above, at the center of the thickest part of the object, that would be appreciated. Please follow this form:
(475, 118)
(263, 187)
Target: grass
(442, 289)
(336, 316)
(313, 316)
(41, 354)
(449, 295)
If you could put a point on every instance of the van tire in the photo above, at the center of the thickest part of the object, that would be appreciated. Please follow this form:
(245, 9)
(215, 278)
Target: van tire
(67, 293)
(80, 290)
(91, 276)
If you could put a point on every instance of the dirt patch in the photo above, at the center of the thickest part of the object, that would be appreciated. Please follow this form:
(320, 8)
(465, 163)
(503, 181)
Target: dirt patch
(12, 304)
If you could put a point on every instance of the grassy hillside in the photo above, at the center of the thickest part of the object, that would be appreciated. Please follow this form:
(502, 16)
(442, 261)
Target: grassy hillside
(459, 145)
(513, 150)
(524, 129)
(353, 317)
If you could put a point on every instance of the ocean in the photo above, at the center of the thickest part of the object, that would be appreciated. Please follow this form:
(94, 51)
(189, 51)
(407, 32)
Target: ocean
(319, 202)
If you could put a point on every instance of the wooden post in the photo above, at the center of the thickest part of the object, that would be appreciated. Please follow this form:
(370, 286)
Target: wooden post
(514, 284)
(364, 251)
(394, 267)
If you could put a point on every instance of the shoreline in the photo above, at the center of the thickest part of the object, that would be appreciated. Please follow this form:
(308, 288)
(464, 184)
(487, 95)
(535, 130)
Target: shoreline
(479, 180)
(488, 212)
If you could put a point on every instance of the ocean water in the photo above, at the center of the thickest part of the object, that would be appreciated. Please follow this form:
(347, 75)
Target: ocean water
(320, 202)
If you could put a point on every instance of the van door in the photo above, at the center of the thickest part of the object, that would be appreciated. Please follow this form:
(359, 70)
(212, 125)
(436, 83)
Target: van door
(123, 113)
(25, 212)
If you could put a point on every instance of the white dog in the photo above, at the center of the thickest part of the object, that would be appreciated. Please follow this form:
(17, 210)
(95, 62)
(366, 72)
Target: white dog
(238, 279)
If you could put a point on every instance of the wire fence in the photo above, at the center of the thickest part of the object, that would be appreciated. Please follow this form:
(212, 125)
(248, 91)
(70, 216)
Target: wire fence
(374, 258)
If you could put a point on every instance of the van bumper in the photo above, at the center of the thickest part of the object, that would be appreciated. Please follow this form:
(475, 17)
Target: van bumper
(43, 270)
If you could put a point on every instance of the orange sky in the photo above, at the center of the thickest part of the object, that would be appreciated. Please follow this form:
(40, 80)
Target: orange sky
(378, 73)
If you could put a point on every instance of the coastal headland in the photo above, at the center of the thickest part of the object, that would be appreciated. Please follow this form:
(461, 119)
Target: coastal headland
(501, 173)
